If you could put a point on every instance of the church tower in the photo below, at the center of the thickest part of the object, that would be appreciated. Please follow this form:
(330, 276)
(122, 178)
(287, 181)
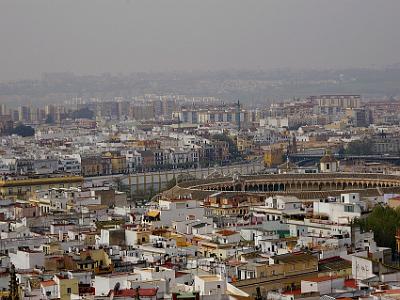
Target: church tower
(328, 164)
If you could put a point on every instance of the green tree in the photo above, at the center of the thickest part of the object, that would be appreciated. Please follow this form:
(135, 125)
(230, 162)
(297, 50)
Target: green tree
(362, 147)
(383, 221)
(23, 130)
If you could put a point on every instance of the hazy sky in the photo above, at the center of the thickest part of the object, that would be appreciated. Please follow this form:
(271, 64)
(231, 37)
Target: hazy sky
(96, 36)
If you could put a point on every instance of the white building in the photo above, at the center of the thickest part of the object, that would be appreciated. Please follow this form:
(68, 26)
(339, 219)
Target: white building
(178, 209)
(27, 259)
(338, 211)
(323, 285)
(284, 203)
(328, 164)
(70, 164)
(209, 285)
(105, 282)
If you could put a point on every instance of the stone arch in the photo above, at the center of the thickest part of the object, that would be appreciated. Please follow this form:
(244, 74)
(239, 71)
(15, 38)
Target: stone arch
(316, 186)
(270, 187)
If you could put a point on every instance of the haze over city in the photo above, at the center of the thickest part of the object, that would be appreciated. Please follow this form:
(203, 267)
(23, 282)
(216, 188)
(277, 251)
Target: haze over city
(97, 36)
(187, 150)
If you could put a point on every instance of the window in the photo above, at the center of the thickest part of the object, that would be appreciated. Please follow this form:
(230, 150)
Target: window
(349, 208)
(69, 291)
(218, 286)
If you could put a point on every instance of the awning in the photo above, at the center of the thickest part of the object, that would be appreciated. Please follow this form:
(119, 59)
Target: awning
(153, 213)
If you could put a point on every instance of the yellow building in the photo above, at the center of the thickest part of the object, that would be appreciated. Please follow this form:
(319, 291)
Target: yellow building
(94, 260)
(219, 251)
(244, 144)
(21, 186)
(52, 248)
(66, 287)
(180, 240)
(259, 270)
(228, 205)
(118, 163)
(297, 263)
(273, 157)
(138, 236)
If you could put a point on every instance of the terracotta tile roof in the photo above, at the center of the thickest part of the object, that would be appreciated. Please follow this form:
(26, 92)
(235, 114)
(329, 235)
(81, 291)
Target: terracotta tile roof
(48, 283)
(293, 292)
(321, 279)
(394, 291)
(226, 232)
(149, 292)
(351, 283)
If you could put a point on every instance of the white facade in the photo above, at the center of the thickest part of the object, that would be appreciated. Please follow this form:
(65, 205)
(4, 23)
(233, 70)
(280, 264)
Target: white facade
(27, 259)
(156, 273)
(231, 238)
(49, 290)
(70, 164)
(210, 285)
(285, 203)
(83, 277)
(329, 167)
(104, 283)
(362, 267)
(178, 210)
(8, 165)
(323, 285)
(337, 212)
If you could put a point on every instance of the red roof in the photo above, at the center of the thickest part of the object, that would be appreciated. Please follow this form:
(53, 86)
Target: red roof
(292, 292)
(321, 279)
(150, 292)
(351, 283)
(226, 232)
(394, 291)
(48, 283)
(179, 274)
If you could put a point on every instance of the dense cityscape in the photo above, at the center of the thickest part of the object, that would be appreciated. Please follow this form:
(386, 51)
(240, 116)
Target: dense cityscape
(199, 150)
(172, 196)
